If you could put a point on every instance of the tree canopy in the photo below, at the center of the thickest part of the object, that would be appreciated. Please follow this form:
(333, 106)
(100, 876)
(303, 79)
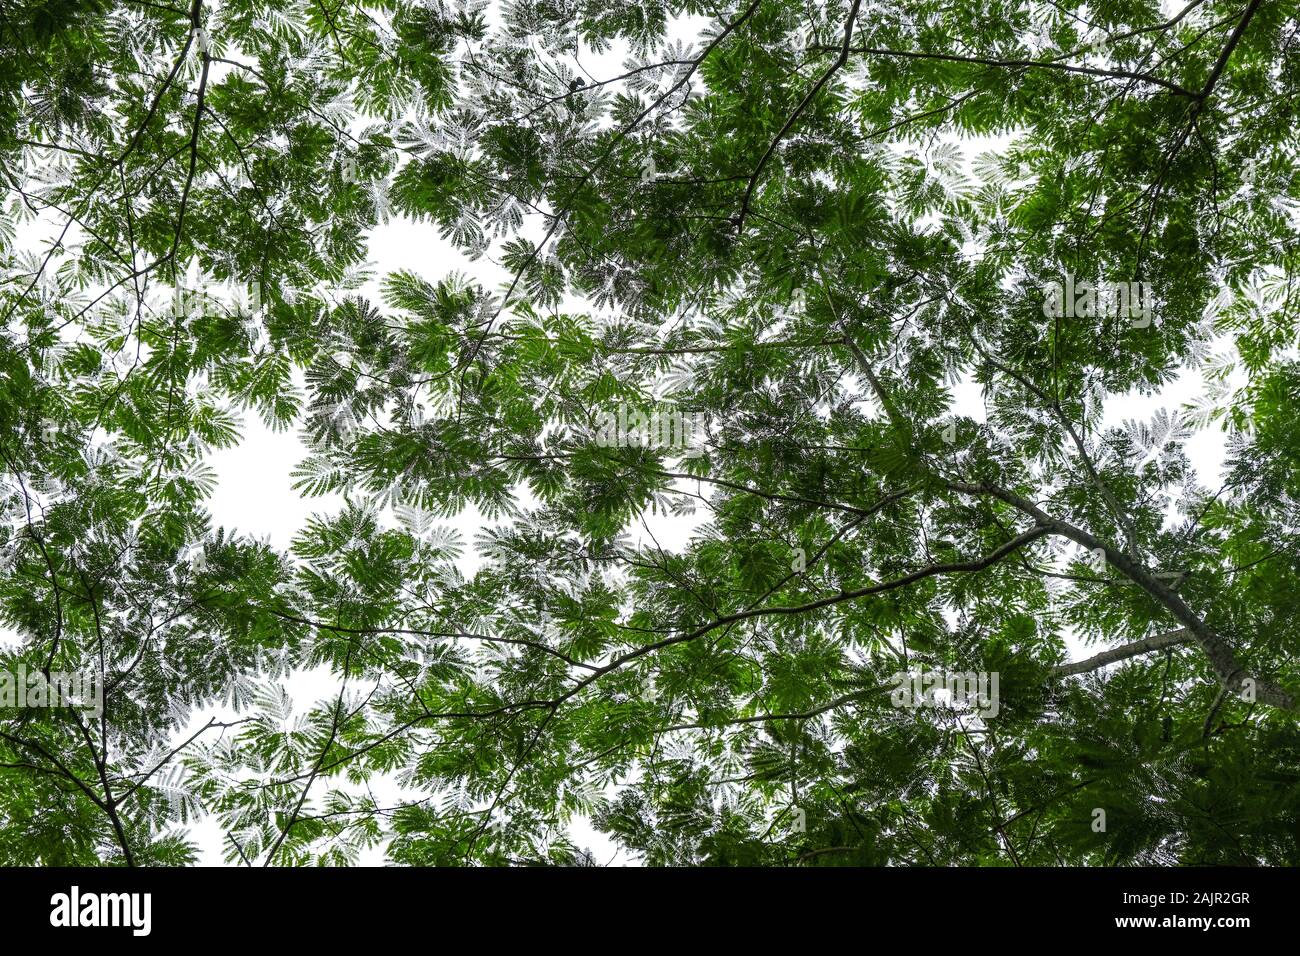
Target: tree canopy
(805, 226)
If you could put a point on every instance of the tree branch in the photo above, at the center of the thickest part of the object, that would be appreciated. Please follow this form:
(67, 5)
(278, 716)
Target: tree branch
(1147, 644)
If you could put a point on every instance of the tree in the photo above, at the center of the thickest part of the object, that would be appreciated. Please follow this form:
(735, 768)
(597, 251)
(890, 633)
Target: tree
(747, 275)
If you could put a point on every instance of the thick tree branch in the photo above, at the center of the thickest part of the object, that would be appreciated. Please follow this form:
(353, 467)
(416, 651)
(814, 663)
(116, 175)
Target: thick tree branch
(1147, 644)
(1222, 658)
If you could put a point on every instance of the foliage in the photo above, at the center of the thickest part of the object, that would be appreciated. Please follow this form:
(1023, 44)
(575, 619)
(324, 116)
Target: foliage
(766, 218)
